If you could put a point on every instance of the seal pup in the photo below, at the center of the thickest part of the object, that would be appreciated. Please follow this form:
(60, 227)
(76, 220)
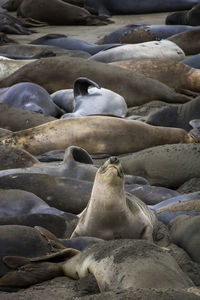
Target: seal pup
(58, 12)
(174, 74)
(135, 88)
(97, 135)
(110, 214)
(30, 96)
(184, 232)
(152, 49)
(190, 17)
(96, 100)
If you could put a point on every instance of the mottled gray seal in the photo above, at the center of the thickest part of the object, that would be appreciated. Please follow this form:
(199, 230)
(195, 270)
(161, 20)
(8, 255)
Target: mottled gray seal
(190, 17)
(96, 100)
(184, 231)
(152, 49)
(110, 214)
(97, 135)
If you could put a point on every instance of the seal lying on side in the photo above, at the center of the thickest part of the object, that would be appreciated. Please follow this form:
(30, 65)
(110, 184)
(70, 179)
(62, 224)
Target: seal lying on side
(58, 12)
(184, 232)
(97, 135)
(176, 116)
(138, 32)
(169, 166)
(30, 96)
(153, 49)
(107, 7)
(110, 214)
(116, 265)
(70, 43)
(135, 88)
(96, 100)
(174, 74)
(190, 17)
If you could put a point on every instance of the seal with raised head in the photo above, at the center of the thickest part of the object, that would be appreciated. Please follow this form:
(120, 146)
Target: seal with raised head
(58, 12)
(97, 135)
(190, 17)
(96, 100)
(30, 96)
(110, 213)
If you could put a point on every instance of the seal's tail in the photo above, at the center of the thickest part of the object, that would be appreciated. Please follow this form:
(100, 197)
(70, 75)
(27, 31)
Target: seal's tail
(195, 132)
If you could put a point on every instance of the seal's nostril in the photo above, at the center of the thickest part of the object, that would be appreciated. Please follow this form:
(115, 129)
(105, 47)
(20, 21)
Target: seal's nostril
(114, 160)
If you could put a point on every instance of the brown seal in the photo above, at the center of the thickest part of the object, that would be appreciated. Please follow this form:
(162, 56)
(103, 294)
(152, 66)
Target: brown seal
(174, 74)
(135, 88)
(95, 134)
(58, 12)
(188, 41)
(110, 214)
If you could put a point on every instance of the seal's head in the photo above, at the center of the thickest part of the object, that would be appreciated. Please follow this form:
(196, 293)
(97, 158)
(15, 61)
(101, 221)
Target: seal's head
(111, 172)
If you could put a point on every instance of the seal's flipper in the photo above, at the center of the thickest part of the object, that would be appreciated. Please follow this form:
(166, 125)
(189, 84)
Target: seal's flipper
(31, 274)
(103, 12)
(78, 154)
(50, 237)
(195, 132)
(14, 262)
(97, 20)
(81, 86)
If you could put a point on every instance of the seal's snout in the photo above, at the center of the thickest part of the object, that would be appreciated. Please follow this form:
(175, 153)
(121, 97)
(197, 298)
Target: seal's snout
(114, 160)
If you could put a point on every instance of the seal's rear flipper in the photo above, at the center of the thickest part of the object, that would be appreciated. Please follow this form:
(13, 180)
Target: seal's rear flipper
(15, 262)
(195, 132)
(81, 86)
(97, 20)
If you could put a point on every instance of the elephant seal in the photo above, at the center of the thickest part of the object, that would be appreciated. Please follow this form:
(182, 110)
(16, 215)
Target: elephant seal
(110, 214)
(12, 25)
(152, 49)
(174, 74)
(15, 202)
(138, 32)
(106, 135)
(135, 88)
(188, 41)
(30, 96)
(16, 119)
(121, 264)
(70, 43)
(193, 61)
(108, 7)
(96, 100)
(169, 166)
(11, 157)
(58, 12)
(184, 232)
(190, 17)
(176, 116)
(64, 99)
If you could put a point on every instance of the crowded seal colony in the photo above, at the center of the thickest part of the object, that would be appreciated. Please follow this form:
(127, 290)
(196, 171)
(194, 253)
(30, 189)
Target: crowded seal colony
(100, 149)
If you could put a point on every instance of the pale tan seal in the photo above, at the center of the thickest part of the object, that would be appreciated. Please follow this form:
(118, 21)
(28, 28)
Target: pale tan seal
(97, 135)
(110, 213)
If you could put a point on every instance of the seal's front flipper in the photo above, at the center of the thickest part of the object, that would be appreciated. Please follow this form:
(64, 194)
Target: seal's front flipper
(195, 132)
(31, 274)
(81, 86)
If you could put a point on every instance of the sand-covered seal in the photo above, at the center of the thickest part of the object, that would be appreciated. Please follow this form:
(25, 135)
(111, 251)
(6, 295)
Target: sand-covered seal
(58, 12)
(97, 135)
(174, 74)
(110, 214)
(95, 100)
(152, 49)
(135, 88)
(184, 231)
(190, 17)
